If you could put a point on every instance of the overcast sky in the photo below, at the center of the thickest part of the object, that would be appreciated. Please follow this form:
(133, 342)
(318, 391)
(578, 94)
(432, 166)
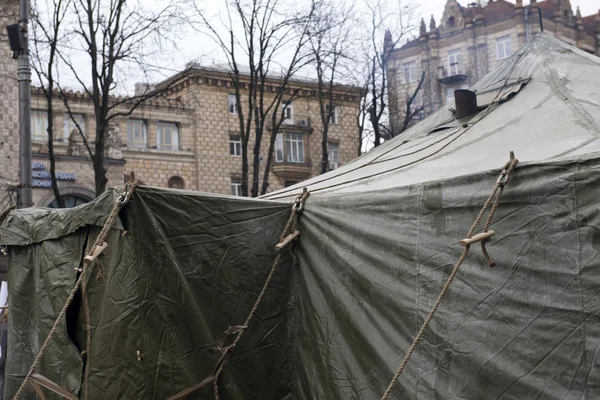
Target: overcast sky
(193, 48)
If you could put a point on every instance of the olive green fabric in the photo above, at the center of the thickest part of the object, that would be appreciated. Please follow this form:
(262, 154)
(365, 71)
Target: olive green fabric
(190, 266)
(379, 237)
(373, 264)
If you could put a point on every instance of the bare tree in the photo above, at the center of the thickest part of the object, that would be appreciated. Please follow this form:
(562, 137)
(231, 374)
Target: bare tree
(47, 35)
(266, 30)
(330, 44)
(411, 108)
(115, 34)
(377, 54)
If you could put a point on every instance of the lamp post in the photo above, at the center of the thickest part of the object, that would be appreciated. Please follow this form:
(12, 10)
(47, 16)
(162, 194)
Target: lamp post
(24, 78)
(18, 38)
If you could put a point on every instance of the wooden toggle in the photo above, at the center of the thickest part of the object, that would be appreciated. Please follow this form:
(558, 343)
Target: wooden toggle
(477, 238)
(91, 257)
(287, 240)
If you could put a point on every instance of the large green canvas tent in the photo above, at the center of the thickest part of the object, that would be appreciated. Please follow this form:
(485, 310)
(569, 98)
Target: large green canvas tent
(378, 239)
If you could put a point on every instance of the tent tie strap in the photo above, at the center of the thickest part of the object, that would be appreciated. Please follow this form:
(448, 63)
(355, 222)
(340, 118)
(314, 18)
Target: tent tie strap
(287, 238)
(483, 237)
(109, 224)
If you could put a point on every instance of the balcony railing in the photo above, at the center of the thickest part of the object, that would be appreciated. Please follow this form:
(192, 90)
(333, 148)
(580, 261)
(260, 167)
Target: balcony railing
(292, 170)
(298, 120)
(454, 74)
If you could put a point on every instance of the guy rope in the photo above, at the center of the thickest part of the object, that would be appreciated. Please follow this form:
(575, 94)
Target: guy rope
(471, 238)
(288, 236)
(97, 248)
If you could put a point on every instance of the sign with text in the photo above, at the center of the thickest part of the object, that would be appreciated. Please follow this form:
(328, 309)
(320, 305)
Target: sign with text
(41, 178)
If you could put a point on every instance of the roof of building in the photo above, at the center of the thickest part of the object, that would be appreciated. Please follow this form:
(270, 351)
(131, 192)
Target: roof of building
(501, 10)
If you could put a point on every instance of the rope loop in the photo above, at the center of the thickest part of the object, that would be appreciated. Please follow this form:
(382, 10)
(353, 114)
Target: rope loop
(493, 200)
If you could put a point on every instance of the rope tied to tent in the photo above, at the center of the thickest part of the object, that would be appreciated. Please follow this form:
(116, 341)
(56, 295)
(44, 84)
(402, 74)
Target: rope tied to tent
(288, 236)
(97, 248)
(493, 200)
(288, 231)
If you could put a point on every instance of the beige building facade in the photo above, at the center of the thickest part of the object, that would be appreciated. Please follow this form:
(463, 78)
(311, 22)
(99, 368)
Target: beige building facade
(188, 138)
(471, 41)
(209, 92)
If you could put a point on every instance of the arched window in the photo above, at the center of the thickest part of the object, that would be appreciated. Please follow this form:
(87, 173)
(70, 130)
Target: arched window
(176, 182)
(451, 21)
(71, 200)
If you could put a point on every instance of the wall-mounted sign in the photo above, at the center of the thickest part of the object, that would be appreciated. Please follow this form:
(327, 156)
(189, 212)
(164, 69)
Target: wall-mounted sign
(41, 177)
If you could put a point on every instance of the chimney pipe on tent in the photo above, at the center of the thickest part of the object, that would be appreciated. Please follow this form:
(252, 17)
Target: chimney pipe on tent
(465, 102)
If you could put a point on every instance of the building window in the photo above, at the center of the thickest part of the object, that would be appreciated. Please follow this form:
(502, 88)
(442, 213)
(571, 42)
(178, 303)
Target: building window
(451, 21)
(39, 126)
(167, 137)
(454, 62)
(292, 150)
(235, 145)
(176, 182)
(137, 135)
(279, 147)
(288, 112)
(236, 187)
(333, 155)
(410, 72)
(333, 116)
(232, 104)
(503, 47)
(294, 147)
(289, 183)
(69, 125)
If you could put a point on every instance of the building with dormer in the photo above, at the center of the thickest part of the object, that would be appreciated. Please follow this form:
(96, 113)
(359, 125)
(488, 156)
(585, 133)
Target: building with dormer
(470, 41)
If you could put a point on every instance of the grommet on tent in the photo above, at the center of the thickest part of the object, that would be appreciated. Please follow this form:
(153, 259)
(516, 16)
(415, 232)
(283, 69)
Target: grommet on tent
(91, 257)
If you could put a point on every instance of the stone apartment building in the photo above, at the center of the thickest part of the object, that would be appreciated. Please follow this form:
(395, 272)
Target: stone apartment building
(209, 92)
(188, 140)
(471, 41)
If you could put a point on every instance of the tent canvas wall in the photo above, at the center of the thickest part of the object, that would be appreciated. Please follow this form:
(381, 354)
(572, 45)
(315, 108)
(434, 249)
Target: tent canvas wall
(378, 239)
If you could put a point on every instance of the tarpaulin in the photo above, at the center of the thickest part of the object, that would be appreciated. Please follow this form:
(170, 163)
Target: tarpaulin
(190, 266)
(378, 239)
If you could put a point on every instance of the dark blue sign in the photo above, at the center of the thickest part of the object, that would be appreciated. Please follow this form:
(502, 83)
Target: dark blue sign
(39, 172)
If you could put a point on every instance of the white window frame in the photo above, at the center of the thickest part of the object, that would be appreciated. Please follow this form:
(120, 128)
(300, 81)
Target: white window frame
(279, 151)
(294, 146)
(39, 125)
(333, 155)
(288, 112)
(236, 188)
(333, 118)
(410, 72)
(69, 126)
(235, 145)
(454, 62)
(167, 136)
(132, 141)
(503, 47)
(232, 105)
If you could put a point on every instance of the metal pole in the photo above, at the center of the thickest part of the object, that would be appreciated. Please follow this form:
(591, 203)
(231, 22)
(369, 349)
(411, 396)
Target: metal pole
(25, 198)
